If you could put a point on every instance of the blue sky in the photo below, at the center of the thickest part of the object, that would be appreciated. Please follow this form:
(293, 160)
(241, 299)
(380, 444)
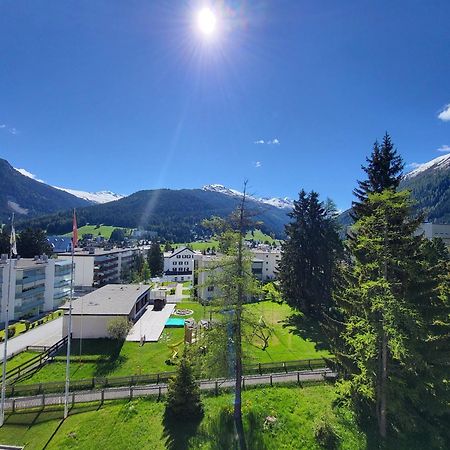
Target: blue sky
(104, 94)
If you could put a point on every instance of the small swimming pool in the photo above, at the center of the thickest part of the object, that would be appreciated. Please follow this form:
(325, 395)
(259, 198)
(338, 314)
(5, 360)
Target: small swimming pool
(174, 322)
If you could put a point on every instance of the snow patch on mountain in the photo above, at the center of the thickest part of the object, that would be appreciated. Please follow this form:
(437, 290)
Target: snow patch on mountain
(94, 197)
(283, 203)
(441, 162)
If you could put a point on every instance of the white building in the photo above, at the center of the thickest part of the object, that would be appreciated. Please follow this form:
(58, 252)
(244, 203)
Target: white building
(36, 285)
(435, 230)
(270, 259)
(96, 267)
(92, 313)
(179, 264)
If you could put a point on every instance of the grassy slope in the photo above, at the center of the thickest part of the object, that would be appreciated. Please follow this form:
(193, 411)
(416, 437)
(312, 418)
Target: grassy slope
(104, 230)
(138, 424)
(101, 358)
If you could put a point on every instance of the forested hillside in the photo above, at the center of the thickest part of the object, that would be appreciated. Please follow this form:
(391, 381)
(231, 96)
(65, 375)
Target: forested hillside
(27, 197)
(174, 214)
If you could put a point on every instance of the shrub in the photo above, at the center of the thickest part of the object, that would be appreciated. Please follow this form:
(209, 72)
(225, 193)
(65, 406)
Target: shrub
(11, 331)
(118, 328)
(325, 434)
(27, 325)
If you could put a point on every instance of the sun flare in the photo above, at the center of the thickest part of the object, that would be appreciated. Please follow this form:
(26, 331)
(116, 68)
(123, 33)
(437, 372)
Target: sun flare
(206, 21)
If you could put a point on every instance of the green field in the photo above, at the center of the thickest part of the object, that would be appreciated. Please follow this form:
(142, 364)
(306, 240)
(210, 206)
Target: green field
(199, 245)
(101, 357)
(103, 230)
(139, 424)
(258, 235)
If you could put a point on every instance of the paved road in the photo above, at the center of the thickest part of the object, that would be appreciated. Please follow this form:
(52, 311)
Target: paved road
(47, 334)
(154, 389)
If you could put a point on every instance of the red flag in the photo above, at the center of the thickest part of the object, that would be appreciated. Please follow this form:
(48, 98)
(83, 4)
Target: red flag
(74, 230)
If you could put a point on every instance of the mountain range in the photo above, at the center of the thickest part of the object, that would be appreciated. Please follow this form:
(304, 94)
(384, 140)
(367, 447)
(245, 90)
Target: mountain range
(176, 214)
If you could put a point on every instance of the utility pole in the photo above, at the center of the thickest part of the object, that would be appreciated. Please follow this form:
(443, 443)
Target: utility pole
(12, 250)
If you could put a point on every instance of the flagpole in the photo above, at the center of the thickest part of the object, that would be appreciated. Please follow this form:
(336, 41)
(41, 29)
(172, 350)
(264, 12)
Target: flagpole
(5, 345)
(69, 327)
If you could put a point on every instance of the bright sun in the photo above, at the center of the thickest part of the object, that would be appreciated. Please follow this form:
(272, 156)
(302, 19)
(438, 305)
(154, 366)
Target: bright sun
(206, 21)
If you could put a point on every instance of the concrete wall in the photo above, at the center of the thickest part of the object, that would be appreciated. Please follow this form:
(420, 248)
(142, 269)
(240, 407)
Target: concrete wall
(84, 269)
(88, 327)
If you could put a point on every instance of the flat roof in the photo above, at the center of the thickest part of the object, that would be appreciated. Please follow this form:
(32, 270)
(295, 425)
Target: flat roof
(109, 300)
(98, 251)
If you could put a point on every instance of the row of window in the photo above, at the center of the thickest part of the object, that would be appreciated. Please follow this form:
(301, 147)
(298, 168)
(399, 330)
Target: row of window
(180, 263)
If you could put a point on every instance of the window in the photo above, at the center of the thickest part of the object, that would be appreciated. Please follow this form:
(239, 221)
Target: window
(210, 288)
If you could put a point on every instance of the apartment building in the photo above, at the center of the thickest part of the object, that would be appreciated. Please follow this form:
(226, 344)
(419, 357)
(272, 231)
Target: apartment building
(264, 267)
(96, 267)
(435, 230)
(36, 285)
(270, 259)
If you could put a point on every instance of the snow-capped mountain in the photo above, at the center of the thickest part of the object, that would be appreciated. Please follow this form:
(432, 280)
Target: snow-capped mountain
(93, 197)
(277, 202)
(441, 162)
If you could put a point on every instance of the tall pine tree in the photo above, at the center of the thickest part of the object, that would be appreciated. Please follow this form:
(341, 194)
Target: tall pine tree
(391, 326)
(384, 171)
(309, 255)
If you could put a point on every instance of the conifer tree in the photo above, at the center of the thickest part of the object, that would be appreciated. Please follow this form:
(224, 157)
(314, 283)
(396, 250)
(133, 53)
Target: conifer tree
(155, 259)
(391, 321)
(309, 255)
(183, 394)
(384, 171)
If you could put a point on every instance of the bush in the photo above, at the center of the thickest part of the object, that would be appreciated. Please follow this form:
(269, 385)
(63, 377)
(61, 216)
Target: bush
(118, 328)
(325, 434)
(27, 325)
(11, 331)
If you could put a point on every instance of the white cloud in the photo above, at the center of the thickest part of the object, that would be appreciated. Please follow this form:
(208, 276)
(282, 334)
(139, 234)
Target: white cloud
(29, 174)
(274, 141)
(11, 130)
(258, 164)
(444, 115)
(444, 148)
(414, 165)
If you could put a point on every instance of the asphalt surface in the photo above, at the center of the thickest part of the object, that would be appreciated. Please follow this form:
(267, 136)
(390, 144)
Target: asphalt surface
(47, 334)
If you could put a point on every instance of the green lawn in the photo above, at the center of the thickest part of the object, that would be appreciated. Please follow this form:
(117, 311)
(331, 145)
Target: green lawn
(102, 358)
(200, 245)
(258, 235)
(17, 360)
(286, 343)
(103, 230)
(139, 424)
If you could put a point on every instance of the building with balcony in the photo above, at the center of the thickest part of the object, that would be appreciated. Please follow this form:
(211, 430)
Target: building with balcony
(96, 267)
(36, 286)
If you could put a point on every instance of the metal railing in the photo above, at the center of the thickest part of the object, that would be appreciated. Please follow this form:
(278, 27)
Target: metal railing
(156, 378)
(131, 392)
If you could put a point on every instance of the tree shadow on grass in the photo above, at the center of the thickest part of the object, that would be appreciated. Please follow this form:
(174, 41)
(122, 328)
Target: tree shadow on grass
(218, 432)
(112, 359)
(179, 431)
(308, 329)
